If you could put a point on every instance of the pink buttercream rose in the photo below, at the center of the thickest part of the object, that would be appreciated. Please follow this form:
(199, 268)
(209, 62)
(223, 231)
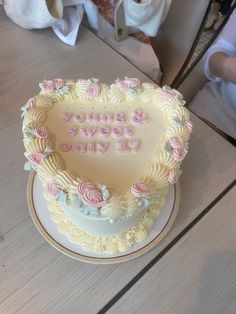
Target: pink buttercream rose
(92, 90)
(176, 142)
(90, 194)
(173, 176)
(47, 86)
(54, 188)
(36, 157)
(170, 93)
(41, 132)
(132, 82)
(127, 83)
(122, 85)
(30, 104)
(140, 190)
(58, 83)
(179, 154)
(85, 186)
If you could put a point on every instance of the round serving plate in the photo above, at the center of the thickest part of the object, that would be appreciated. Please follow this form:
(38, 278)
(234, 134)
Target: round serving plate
(45, 225)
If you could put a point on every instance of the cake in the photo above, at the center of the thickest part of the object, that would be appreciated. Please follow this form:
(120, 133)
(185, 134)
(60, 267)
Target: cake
(106, 156)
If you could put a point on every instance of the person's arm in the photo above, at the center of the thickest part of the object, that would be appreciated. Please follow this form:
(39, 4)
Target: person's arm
(223, 65)
(220, 59)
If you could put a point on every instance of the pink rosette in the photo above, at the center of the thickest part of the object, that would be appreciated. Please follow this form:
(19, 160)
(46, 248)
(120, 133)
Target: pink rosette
(140, 190)
(92, 90)
(47, 86)
(122, 85)
(168, 92)
(85, 186)
(176, 142)
(132, 82)
(58, 83)
(179, 154)
(54, 188)
(36, 157)
(128, 83)
(173, 176)
(91, 194)
(30, 104)
(189, 126)
(41, 132)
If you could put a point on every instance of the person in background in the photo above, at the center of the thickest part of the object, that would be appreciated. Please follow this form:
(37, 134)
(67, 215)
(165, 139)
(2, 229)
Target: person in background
(216, 102)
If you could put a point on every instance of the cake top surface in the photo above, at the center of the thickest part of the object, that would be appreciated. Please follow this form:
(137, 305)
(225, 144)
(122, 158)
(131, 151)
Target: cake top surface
(108, 148)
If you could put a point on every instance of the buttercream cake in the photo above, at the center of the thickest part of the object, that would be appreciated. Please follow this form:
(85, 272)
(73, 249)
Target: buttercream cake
(106, 155)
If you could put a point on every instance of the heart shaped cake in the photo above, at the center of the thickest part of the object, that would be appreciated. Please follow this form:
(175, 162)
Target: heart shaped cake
(106, 155)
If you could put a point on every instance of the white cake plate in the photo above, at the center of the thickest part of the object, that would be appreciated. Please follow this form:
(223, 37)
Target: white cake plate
(42, 220)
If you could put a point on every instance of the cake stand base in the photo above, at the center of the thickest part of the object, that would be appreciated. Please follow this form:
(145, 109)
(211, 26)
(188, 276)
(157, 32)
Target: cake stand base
(45, 225)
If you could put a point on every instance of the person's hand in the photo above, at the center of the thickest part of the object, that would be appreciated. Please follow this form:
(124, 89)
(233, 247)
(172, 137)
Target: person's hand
(223, 66)
(229, 69)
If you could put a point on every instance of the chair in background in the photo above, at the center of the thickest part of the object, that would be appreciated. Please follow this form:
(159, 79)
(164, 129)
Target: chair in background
(193, 78)
(178, 36)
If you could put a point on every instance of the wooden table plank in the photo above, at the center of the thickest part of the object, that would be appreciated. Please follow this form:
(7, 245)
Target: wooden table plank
(198, 275)
(33, 275)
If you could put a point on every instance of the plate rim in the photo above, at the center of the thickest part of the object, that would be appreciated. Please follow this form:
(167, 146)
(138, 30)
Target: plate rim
(100, 260)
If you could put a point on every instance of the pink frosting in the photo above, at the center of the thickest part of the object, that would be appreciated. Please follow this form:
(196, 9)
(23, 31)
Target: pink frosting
(140, 190)
(176, 142)
(80, 117)
(72, 131)
(41, 132)
(118, 131)
(92, 90)
(87, 132)
(134, 144)
(36, 157)
(127, 83)
(139, 116)
(64, 147)
(66, 116)
(30, 104)
(173, 176)
(179, 154)
(47, 86)
(170, 93)
(105, 131)
(132, 82)
(120, 117)
(189, 126)
(102, 147)
(58, 83)
(90, 194)
(50, 85)
(54, 188)
(122, 146)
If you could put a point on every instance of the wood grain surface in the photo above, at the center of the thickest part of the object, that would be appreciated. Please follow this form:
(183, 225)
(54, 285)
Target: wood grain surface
(34, 277)
(198, 275)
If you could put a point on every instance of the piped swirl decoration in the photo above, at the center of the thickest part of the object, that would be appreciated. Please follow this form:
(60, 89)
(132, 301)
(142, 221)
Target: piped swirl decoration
(43, 157)
(91, 194)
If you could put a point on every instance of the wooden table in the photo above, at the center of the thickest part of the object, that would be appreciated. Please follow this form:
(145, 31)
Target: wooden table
(180, 275)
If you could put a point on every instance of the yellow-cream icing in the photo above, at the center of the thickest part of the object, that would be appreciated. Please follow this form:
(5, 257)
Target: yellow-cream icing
(169, 120)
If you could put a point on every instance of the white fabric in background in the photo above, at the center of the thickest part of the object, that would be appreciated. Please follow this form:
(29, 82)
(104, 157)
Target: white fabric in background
(216, 102)
(65, 17)
(138, 53)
